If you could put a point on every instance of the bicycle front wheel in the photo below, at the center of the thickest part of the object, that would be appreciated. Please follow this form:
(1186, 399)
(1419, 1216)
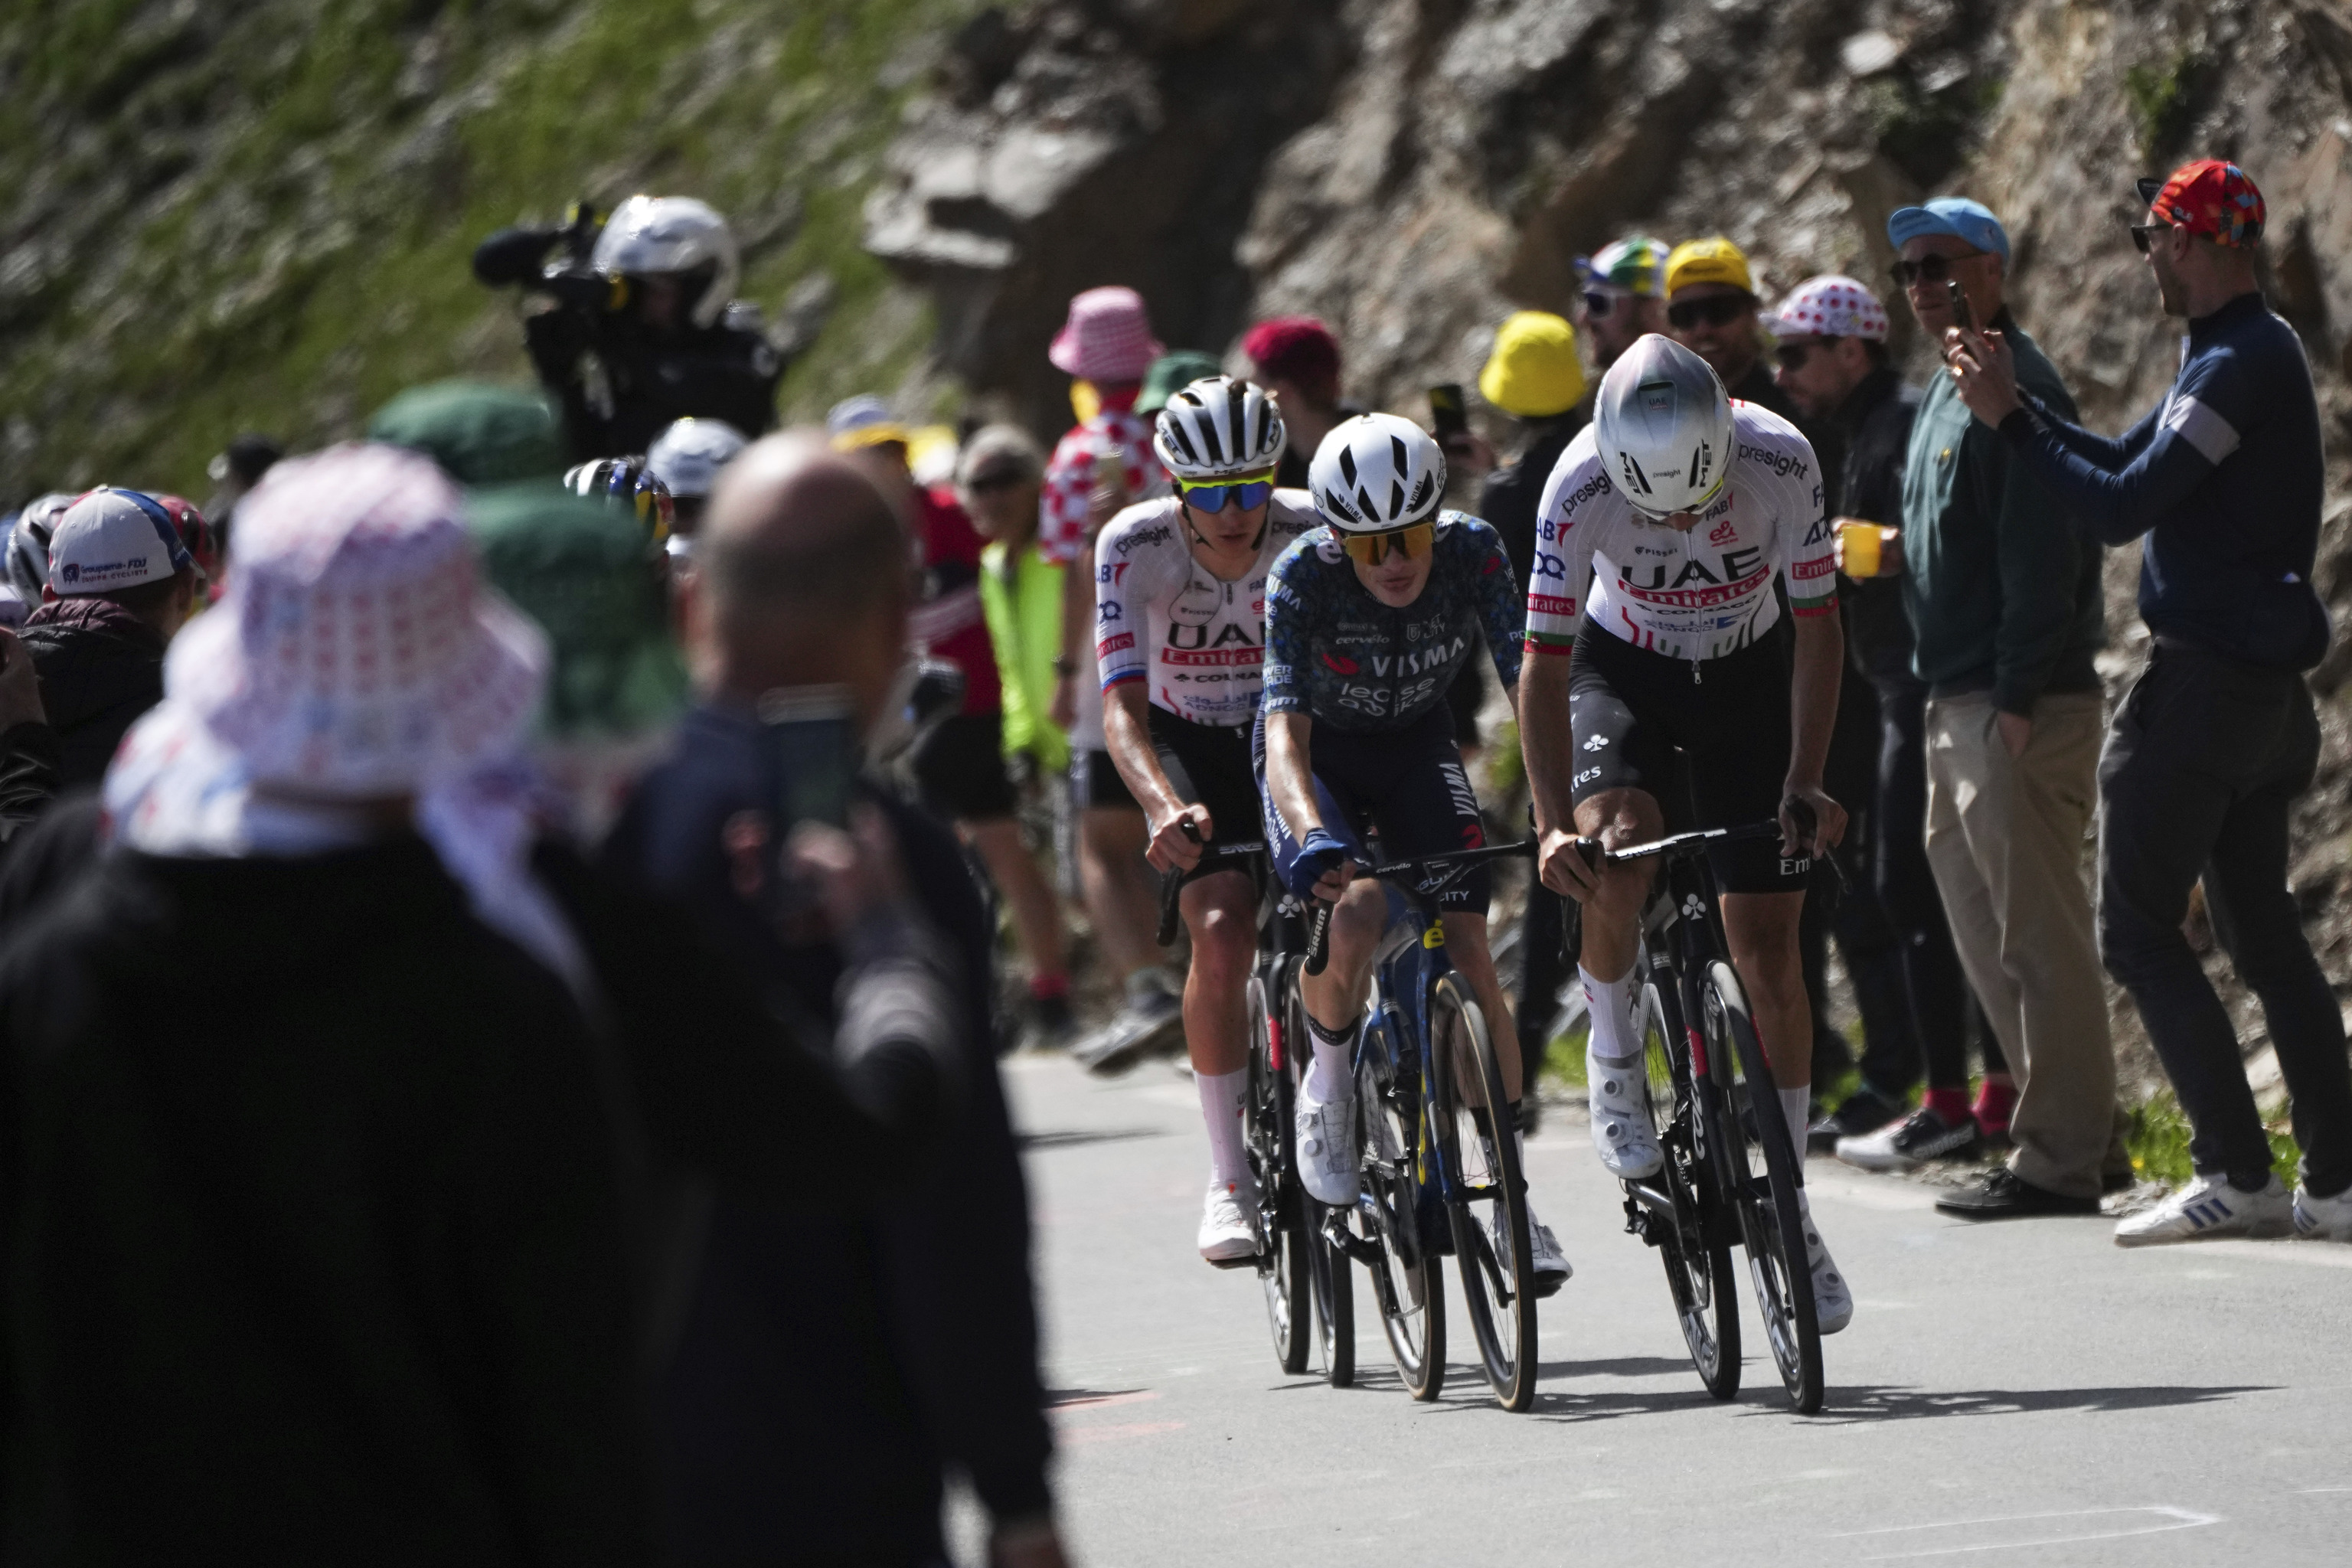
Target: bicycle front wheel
(1284, 1241)
(1476, 1140)
(1763, 1171)
(1698, 1271)
(1332, 1287)
(1408, 1279)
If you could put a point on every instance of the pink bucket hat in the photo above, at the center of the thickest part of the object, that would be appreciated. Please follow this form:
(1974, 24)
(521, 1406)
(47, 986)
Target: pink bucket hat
(1108, 336)
(357, 652)
(1830, 306)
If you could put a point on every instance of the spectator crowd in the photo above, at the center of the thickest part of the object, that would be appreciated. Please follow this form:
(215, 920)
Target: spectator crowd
(499, 961)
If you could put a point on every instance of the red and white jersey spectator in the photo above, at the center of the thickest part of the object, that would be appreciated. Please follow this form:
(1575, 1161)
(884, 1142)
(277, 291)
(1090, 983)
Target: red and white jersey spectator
(1106, 344)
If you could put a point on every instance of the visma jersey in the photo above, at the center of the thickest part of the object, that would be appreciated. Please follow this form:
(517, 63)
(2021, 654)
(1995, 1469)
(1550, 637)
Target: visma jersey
(1163, 618)
(1694, 596)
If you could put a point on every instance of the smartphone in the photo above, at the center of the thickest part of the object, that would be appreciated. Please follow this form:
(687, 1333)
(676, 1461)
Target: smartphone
(816, 753)
(1450, 414)
(1962, 317)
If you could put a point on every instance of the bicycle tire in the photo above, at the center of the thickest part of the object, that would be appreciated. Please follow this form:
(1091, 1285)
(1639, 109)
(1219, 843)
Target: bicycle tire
(1332, 1286)
(1284, 1240)
(1763, 1172)
(1698, 1274)
(1499, 1293)
(1408, 1279)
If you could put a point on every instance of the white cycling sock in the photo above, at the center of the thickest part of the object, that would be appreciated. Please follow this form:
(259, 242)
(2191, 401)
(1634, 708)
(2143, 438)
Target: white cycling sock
(1611, 1003)
(1331, 1075)
(1221, 1108)
(1794, 1104)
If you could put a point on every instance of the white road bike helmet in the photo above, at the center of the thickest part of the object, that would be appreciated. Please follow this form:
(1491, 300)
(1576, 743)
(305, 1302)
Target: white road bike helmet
(1218, 427)
(688, 455)
(648, 235)
(1663, 426)
(1376, 472)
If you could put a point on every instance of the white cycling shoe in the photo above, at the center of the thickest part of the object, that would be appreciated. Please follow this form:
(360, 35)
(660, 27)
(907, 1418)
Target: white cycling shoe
(2208, 1208)
(1622, 1133)
(1327, 1149)
(1227, 1235)
(1833, 1302)
(1551, 1266)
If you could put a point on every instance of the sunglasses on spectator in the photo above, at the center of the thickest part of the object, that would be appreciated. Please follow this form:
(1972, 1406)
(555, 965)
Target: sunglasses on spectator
(1599, 304)
(2144, 232)
(1371, 548)
(1716, 311)
(1001, 479)
(1211, 495)
(1793, 356)
(1926, 269)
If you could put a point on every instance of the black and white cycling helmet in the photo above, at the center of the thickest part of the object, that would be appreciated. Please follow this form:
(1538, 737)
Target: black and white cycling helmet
(688, 455)
(1376, 472)
(1217, 427)
(1662, 427)
(626, 482)
(651, 234)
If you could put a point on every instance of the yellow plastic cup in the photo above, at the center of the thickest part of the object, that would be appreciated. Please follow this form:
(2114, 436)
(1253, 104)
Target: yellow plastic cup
(1858, 543)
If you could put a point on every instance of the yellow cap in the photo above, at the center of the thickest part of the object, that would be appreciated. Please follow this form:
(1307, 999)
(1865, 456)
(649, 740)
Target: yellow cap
(1535, 370)
(1715, 260)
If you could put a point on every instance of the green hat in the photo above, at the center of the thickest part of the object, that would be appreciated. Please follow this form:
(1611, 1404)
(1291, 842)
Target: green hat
(479, 434)
(584, 573)
(1171, 374)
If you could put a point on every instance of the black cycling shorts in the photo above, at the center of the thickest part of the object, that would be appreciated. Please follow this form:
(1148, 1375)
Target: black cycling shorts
(1405, 784)
(1209, 764)
(959, 768)
(1714, 751)
(1096, 784)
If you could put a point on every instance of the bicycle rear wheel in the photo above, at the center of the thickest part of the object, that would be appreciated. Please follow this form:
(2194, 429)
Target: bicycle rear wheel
(1763, 1171)
(1284, 1240)
(1698, 1273)
(1408, 1279)
(1476, 1138)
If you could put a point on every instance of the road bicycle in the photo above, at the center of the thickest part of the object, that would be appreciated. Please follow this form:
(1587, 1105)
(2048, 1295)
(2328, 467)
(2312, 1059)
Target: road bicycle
(1439, 1159)
(1730, 1176)
(1309, 1298)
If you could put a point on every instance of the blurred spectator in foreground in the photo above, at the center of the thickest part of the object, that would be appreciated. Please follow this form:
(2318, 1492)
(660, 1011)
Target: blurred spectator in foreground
(922, 1308)
(202, 542)
(234, 472)
(1105, 460)
(123, 586)
(1711, 308)
(28, 549)
(1831, 347)
(1297, 358)
(2218, 738)
(480, 434)
(322, 1227)
(1624, 295)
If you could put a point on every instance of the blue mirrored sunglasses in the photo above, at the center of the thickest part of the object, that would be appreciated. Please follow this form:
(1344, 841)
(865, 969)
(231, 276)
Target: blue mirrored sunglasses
(1246, 495)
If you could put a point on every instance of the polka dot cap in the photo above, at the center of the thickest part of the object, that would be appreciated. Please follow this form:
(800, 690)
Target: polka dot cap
(1831, 306)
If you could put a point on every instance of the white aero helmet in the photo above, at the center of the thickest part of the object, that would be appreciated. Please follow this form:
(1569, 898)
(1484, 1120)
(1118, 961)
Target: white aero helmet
(1663, 426)
(1376, 472)
(1219, 427)
(688, 455)
(648, 235)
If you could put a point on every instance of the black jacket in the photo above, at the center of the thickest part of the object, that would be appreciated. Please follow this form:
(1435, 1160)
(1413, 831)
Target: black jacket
(1513, 496)
(1876, 420)
(100, 667)
(313, 1235)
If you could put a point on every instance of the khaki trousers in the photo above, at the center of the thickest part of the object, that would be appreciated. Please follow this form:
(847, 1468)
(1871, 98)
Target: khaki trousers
(2005, 839)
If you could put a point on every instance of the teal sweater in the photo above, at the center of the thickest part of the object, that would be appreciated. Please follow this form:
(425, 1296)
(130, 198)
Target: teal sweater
(2002, 589)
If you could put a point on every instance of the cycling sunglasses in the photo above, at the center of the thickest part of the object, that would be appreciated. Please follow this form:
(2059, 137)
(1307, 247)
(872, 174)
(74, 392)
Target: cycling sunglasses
(1210, 496)
(1716, 311)
(1371, 549)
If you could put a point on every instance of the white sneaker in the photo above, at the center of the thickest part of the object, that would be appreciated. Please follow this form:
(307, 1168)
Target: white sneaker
(2322, 1220)
(1228, 1232)
(1622, 1131)
(2209, 1208)
(1327, 1149)
(1833, 1302)
(1551, 1266)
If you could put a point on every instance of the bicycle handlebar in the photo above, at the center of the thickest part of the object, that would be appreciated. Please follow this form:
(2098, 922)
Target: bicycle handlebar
(1678, 844)
(1455, 865)
(1172, 880)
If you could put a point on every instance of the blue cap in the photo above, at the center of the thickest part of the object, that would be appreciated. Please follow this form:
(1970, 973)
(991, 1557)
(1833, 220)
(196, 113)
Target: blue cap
(1970, 222)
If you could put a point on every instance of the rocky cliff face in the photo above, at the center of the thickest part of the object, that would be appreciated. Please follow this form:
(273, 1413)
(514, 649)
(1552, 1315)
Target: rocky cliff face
(1413, 170)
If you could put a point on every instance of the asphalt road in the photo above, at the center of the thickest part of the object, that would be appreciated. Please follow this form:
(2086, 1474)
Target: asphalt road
(2028, 1390)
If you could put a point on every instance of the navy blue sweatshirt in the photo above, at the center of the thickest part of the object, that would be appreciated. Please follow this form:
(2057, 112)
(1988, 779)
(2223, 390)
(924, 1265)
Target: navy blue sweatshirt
(2224, 477)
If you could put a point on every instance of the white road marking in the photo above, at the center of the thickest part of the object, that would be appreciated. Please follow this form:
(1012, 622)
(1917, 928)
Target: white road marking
(2165, 1519)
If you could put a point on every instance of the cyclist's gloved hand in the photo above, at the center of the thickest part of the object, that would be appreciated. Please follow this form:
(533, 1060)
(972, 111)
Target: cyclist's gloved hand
(1319, 854)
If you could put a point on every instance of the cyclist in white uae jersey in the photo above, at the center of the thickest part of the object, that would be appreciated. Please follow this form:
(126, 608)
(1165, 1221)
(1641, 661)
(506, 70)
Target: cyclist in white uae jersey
(1682, 508)
(1180, 607)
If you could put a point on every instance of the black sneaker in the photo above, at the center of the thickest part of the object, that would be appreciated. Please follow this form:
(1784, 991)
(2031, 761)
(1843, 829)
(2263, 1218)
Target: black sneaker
(2006, 1195)
(1863, 1112)
(1910, 1144)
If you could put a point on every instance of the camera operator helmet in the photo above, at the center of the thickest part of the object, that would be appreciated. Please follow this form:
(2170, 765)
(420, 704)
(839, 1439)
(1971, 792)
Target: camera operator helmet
(625, 481)
(677, 237)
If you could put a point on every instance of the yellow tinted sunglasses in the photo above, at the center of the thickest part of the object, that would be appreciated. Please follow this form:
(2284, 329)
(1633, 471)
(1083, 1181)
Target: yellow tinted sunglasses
(1371, 548)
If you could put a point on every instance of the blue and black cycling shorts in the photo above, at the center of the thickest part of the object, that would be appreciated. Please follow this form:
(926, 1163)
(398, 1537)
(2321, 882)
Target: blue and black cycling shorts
(1407, 785)
(1713, 752)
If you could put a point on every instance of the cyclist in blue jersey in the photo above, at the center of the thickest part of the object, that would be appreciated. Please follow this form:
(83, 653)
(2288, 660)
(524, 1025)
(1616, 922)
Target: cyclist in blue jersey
(1368, 619)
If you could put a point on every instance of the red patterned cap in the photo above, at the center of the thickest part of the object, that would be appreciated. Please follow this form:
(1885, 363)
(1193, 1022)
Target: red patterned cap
(1831, 306)
(2209, 197)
